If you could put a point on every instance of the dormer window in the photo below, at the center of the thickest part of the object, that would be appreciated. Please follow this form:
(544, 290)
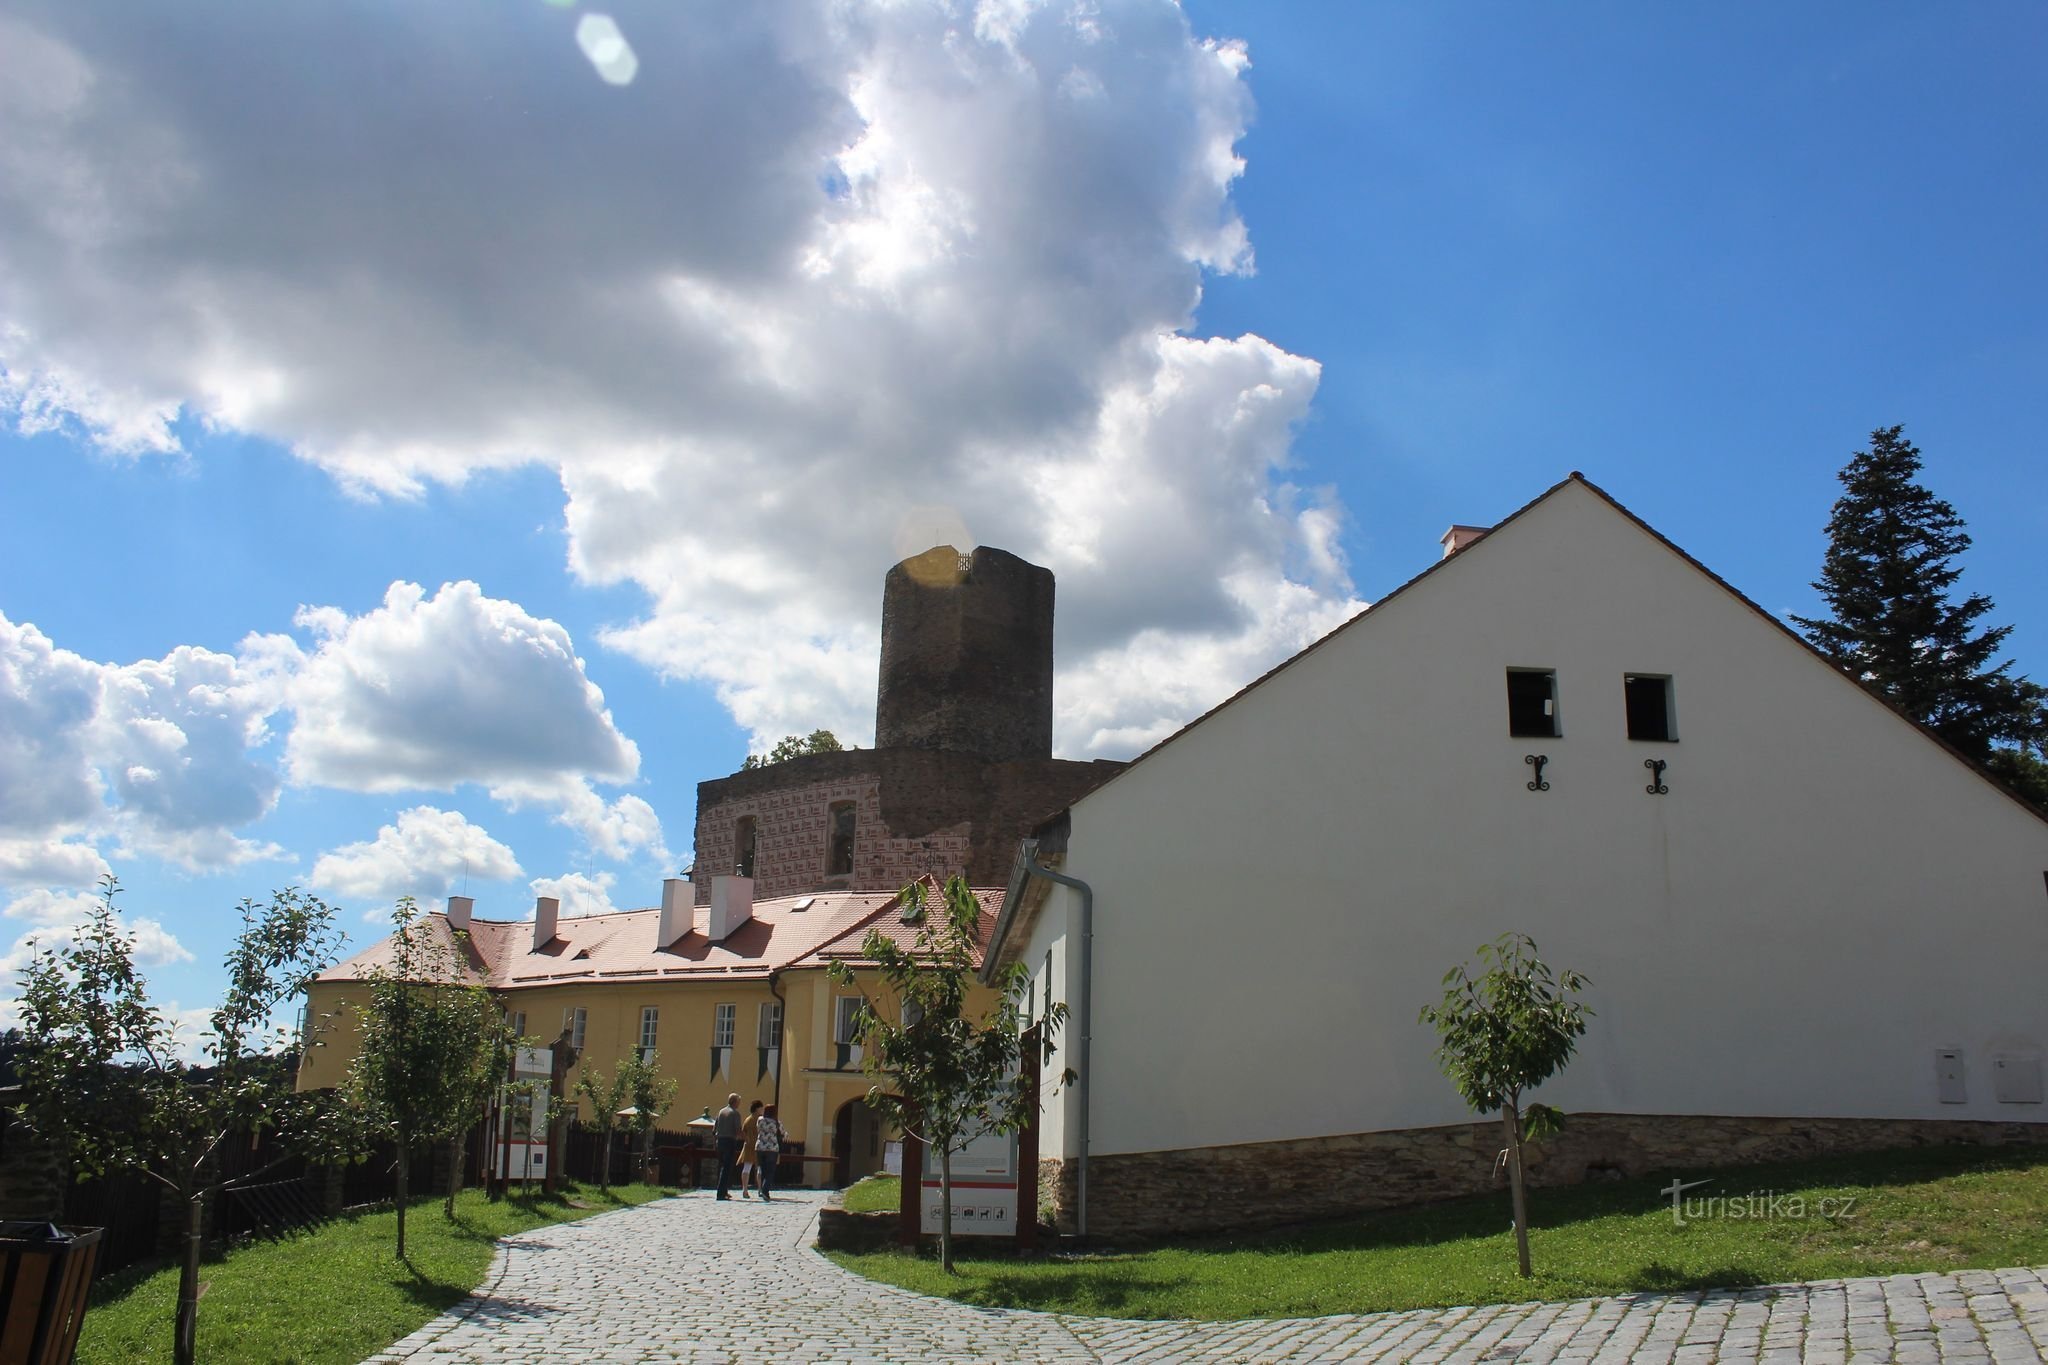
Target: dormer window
(1532, 703)
(839, 834)
(743, 839)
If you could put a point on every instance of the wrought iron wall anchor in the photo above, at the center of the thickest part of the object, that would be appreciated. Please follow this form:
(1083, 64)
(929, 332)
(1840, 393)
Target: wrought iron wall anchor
(1656, 766)
(1537, 761)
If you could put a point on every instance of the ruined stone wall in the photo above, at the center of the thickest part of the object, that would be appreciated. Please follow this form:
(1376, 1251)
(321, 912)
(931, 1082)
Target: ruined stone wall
(1141, 1194)
(915, 811)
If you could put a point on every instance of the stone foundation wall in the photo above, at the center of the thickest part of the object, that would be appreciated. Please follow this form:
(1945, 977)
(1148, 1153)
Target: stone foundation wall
(1140, 1194)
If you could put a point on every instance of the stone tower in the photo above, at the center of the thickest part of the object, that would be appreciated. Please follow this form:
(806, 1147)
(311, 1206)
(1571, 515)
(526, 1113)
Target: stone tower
(967, 656)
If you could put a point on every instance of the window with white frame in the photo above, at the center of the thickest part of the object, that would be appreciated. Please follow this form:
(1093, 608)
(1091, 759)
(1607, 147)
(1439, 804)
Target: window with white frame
(769, 1028)
(846, 1020)
(518, 1021)
(722, 1025)
(846, 1031)
(573, 1019)
(650, 1025)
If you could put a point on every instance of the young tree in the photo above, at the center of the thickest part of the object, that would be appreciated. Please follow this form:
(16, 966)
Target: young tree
(942, 1073)
(1887, 575)
(795, 746)
(634, 1084)
(432, 1042)
(103, 1079)
(1505, 1031)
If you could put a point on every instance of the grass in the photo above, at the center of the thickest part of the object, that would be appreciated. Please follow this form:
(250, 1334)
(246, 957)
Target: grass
(1934, 1209)
(876, 1194)
(331, 1295)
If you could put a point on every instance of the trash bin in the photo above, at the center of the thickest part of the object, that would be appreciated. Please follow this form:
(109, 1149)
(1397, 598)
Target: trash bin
(44, 1274)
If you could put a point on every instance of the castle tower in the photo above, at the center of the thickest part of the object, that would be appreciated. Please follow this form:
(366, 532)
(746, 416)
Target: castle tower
(966, 655)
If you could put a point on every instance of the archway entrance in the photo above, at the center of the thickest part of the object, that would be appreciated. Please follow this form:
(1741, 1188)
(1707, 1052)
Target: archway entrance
(858, 1133)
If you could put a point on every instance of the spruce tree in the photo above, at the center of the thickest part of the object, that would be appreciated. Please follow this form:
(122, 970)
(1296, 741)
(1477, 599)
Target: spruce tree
(1887, 575)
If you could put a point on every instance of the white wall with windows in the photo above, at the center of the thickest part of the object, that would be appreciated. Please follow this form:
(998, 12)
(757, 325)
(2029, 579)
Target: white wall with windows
(1819, 901)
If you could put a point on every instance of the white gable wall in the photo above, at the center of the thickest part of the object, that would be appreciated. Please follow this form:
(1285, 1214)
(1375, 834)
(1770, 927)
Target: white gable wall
(1824, 898)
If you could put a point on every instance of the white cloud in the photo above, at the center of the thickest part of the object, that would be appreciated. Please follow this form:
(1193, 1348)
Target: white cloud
(819, 265)
(49, 863)
(431, 692)
(580, 895)
(161, 754)
(426, 854)
(428, 693)
(54, 920)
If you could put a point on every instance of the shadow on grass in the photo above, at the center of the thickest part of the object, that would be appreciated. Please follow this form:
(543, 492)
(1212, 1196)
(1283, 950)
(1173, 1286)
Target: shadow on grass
(1658, 1278)
(1487, 1215)
(1083, 1292)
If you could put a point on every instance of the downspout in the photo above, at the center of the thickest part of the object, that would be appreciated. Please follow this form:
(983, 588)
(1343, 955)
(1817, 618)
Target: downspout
(1082, 977)
(781, 1030)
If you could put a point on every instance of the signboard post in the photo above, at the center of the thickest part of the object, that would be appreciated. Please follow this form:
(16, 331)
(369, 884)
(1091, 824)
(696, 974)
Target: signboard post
(995, 1177)
(522, 1117)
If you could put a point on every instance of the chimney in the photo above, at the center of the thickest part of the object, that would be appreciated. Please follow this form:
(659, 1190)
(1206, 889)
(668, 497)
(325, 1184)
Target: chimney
(458, 911)
(678, 900)
(546, 911)
(732, 904)
(1458, 537)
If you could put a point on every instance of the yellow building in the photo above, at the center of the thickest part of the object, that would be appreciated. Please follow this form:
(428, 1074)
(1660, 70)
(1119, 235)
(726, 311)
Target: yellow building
(734, 996)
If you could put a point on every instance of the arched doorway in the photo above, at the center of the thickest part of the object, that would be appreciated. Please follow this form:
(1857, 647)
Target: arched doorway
(858, 1137)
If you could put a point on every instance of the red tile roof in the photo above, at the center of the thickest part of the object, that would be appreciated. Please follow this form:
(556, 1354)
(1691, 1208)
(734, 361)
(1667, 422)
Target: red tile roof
(829, 927)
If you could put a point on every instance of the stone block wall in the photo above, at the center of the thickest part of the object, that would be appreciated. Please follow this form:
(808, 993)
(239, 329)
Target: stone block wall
(915, 811)
(1148, 1194)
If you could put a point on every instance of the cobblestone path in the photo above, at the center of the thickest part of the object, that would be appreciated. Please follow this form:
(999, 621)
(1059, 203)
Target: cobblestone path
(683, 1280)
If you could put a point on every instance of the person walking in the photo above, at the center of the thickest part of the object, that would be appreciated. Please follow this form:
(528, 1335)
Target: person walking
(767, 1148)
(747, 1145)
(725, 1133)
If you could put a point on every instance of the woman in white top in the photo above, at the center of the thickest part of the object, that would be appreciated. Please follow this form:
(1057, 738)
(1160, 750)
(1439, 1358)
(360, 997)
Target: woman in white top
(767, 1148)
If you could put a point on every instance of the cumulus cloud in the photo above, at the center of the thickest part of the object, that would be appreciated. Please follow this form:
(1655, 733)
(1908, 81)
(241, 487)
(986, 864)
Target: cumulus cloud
(425, 854)
(431, 692)
(818, 266)
(160, 755)
(579, 895)
(54, 920)
(172, 757)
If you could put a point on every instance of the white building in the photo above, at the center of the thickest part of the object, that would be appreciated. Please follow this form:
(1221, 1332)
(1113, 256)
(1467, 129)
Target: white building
(1814, 928)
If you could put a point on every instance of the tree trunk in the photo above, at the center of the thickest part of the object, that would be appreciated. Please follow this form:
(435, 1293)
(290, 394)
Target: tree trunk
(454, 1173)
(946, 1208)
(604, 1163)
(1511, 1120)
(403, 1171)
(187, 1341)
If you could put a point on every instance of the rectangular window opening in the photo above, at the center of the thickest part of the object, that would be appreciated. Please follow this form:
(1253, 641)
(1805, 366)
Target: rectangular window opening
(1650, 713)
(573, 1019)
(722, 1025)
(769, 1025)
(1532, 703)
(839, 830)
(744, 840)
(650, 1024)
(846, 1012)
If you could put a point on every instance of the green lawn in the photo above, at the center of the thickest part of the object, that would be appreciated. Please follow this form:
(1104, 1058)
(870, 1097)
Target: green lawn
(1935, 1209)
(876, 1194)
(332, 1295)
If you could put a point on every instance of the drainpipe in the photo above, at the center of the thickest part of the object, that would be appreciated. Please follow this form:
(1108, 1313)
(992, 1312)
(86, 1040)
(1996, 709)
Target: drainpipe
(781, 1032)
(1082, 975)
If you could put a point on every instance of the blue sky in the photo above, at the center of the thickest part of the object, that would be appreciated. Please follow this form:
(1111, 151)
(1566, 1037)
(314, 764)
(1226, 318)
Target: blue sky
(672, 370)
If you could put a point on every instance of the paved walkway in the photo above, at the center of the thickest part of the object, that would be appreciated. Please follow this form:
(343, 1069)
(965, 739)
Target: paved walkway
(683, 1280)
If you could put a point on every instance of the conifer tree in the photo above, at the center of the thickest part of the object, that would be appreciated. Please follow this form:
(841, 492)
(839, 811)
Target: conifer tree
(1887, 576)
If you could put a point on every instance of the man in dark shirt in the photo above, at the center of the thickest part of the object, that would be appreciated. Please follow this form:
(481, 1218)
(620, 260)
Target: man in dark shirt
(725, 1132)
